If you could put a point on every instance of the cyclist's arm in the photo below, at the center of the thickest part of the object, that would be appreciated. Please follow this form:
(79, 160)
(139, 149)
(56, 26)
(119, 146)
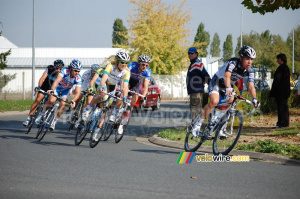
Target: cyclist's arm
(252, 90)
(125, 83)
(227, 79)
(146, 87)
(56, 82)
(42, 79)
(103, 80)
(77, 93)
(92, 82)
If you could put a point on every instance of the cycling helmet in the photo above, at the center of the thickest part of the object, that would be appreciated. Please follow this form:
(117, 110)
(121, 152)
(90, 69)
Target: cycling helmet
(123, 56)
(58, 63)
(144, 58)
(95, 67)
(247, 51)
(76, 64)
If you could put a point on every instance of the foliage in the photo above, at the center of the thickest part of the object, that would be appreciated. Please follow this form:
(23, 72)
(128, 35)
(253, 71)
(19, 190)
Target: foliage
(4, 79)
(202, 40)
(118, 30)
(296, 48)
(159, 31)
(267, 46)
(215, 46)
(264, 6)
(227, 48)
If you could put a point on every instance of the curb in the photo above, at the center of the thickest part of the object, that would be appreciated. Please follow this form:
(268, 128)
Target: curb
(10, 113)
(266, 157)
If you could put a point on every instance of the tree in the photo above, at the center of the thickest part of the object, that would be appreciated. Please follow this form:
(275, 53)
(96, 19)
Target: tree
(159, 31)
(4, 79)
(202, 40)
(264, 6)
(118, 31)
(215, 46)
(227, 48)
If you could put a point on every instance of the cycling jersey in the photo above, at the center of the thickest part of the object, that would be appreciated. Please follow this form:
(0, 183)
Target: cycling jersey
(50, 70)
(237, 72)
(66, 84)
(137, 76)
(115, 76)
(86, 79)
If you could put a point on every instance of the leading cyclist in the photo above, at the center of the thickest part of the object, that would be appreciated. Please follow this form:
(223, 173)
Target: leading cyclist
(62, 86)
(45, 84)
(222, 83)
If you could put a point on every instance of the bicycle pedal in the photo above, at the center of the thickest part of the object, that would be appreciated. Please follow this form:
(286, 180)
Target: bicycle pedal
(210, 137)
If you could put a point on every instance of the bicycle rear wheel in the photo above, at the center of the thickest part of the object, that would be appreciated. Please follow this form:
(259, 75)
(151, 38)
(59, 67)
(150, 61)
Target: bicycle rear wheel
(191, 143)
(223, 145)
(124, 124)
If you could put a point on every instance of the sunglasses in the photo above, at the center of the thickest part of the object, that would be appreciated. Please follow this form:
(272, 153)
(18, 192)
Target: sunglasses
(191, 53)
(123, 62)
(57, 68)
(145, 65)
(76, 71)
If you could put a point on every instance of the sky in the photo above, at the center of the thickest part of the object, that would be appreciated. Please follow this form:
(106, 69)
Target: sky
(89, 23)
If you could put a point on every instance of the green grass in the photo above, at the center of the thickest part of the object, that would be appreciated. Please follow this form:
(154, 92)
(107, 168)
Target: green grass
(269, 146)
(15, 105)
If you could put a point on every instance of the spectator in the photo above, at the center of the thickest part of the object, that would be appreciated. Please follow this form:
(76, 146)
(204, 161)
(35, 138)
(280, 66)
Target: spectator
(281, 91)
(196, 77)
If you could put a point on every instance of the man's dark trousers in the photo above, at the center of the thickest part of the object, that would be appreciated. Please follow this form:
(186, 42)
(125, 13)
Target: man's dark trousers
(283, 112)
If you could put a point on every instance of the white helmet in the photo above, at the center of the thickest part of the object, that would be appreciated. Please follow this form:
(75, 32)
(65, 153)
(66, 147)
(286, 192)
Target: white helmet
(123, 56)
(145, 58)
(247, 51)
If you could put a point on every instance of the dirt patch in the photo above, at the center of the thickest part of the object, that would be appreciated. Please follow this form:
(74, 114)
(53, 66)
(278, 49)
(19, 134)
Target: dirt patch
(260, 128)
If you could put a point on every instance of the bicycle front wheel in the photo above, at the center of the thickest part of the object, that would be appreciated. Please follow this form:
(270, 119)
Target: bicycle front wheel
(228, 134)
(191, 142)
(97, 135)
(76, 115)
(49, 117)
(122, 127)
(107, 126)
(80, 134)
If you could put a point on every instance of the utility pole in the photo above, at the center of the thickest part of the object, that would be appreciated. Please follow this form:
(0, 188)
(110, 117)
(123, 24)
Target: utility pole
(33, 55)
(242, 27)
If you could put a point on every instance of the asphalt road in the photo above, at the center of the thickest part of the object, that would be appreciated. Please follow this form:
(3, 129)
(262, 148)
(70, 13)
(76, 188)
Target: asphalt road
(55, 168)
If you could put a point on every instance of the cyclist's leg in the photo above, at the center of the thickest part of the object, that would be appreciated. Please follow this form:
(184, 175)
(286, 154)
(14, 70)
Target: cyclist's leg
(34, 106)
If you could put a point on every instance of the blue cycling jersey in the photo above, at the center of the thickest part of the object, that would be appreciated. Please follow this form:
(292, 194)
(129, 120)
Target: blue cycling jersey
(136, 76)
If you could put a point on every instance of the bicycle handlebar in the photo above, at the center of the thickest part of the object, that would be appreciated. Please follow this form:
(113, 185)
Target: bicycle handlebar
(135, 93)
(59, 98)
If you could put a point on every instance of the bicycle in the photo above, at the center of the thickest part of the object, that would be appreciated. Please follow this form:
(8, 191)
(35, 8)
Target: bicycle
(37, 111)
(48, 118)
(79, 108)
(122, 118)
(95, 116)
(230, 122)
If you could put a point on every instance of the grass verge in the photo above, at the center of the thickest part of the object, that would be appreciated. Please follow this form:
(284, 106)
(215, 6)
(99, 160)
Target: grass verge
(15, 105)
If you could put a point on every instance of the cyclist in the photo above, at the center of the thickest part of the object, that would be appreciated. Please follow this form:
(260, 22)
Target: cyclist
(222, 83)
(87, 76)
(112, 74)
(45, 83)
(62, 86)
(139, 72)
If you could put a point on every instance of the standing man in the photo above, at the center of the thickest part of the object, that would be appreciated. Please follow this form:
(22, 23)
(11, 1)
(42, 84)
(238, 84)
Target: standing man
(281, 91)
(197, 76)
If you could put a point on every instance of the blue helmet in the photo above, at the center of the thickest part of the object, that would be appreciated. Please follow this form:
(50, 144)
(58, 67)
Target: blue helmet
(76, 64)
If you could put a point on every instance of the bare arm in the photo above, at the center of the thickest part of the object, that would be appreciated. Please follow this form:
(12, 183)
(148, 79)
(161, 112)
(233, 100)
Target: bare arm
(252, 90)
(42, 79)
(92, 82)
(55, 83)
(77, 93)
(146, 86)
(227, 82)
